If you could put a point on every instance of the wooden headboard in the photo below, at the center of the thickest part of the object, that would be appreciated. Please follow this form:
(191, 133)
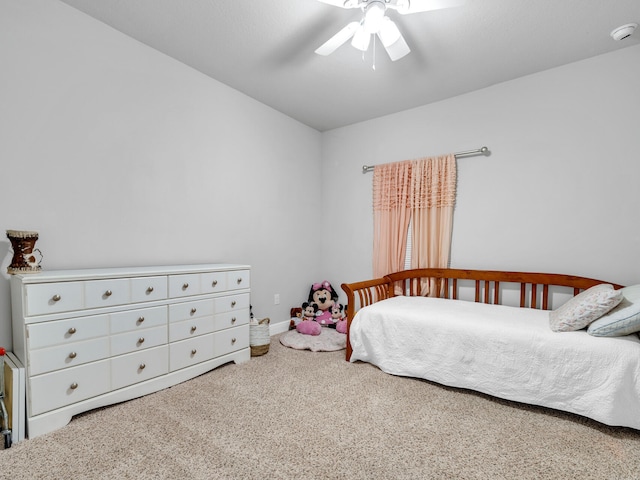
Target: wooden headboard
(488, 287)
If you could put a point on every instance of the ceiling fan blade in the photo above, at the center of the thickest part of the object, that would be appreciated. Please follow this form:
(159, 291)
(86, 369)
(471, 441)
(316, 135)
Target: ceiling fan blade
(392, 40)
(341, 3)
(416, 6)
(331, 45)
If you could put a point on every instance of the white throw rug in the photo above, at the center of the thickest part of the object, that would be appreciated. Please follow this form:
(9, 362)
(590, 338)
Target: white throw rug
(328, 341)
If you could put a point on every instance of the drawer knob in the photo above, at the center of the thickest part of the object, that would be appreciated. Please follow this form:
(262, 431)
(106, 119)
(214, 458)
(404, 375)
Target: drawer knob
(141, 340)
(185, 286)
(73, 386)
(214, 283)
(56, 298)
(239, 280)
(73, 355)
(233, 340)
(140, 319)
(142, 366)
(108, 293)
(150, 289)
(233, 304)
(72, 330)
(194, 351)
(193, 329)
(193, 310)
(233, 320)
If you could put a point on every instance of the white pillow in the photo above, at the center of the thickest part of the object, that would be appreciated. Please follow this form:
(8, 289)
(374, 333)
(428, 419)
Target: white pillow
(624, 319)
(584, 308)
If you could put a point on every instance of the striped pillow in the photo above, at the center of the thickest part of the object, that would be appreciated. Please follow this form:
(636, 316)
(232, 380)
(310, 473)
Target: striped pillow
(624, 319)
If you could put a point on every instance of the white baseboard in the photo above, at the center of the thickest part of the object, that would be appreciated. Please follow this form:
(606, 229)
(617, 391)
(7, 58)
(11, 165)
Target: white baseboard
(280, 327)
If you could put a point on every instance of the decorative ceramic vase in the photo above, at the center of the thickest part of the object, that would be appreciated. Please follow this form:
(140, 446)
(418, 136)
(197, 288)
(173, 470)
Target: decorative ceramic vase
(24, 252)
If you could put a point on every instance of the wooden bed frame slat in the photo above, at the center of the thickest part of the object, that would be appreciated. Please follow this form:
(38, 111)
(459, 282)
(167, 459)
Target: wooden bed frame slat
(371, 291)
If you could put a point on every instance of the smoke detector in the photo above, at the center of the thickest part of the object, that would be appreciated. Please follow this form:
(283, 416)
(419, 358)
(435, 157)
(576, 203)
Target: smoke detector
(624, 31)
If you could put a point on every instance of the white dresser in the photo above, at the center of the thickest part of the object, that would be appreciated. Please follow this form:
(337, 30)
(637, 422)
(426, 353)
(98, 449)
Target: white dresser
(90, 338)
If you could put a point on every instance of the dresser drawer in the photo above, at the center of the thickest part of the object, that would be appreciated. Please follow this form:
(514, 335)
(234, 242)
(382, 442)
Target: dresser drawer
(231, 319)
(230, 340)
(190, 328)
(46, 298)
(138, 319)
(139, 366)
(238, 279)
(183, 311)
(189, 352)
(60, 332)
(231, 303)
(184, 285)
(105, 293)
(147, 289)
(213, 282)
(138, 340)
(45, 360)
(64, 387)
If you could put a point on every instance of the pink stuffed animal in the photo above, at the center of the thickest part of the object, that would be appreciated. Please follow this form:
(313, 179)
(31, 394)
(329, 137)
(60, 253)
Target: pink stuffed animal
(325, 297)
(337, 315)
(308, 325)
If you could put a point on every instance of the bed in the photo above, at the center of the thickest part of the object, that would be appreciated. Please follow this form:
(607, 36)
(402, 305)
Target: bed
(489, 331)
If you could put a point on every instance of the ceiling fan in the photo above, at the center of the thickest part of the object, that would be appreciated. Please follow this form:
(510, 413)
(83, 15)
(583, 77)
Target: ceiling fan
(375, 22)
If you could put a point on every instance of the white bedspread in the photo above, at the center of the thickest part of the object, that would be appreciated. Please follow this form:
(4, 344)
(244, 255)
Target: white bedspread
(503, 351)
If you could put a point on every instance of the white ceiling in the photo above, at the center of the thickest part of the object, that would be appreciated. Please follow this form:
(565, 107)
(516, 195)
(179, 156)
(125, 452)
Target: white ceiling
(265, 48)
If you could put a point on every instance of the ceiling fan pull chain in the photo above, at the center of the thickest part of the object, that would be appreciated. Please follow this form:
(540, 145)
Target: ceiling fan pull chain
(374, 51)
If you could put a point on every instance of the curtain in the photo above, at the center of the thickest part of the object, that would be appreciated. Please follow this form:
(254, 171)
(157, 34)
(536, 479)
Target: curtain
(433, 195)
(421, 191)
(391, 214)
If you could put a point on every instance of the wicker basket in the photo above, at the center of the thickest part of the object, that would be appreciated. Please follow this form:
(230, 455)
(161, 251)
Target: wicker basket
(259, 338)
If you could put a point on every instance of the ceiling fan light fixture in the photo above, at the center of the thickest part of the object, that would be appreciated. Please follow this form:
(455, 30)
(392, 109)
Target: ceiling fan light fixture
(375, 22)
(392, 40)
(361, 39)
(389, 32)
(373, 16)
(398, 49)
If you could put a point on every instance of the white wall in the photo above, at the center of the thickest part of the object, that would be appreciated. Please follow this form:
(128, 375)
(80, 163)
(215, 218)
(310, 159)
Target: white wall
(559, 193)
(120, 156)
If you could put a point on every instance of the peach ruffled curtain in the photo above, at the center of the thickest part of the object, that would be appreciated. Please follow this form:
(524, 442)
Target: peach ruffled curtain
(433, 200)
(422, 191)
(391, 214)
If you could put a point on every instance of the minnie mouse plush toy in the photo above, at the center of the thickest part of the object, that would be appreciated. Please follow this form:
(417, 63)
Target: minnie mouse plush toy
(325, 297)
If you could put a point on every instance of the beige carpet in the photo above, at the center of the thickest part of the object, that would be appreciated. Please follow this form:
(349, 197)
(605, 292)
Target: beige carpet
(296, 414)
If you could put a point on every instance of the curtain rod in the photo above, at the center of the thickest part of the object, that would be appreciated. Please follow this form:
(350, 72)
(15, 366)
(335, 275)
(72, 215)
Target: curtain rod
(480, 151)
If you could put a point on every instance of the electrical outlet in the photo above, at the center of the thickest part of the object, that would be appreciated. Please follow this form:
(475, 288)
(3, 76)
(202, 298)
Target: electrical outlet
(276, 299)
